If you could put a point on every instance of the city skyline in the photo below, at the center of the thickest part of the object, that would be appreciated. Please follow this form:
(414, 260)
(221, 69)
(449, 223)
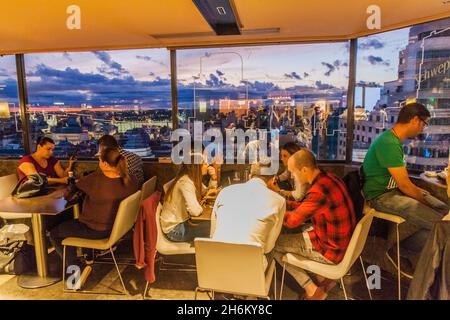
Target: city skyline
(143, 76)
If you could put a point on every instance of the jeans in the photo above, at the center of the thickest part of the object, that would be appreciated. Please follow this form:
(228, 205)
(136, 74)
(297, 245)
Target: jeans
(414, 212)
(73, 228)
(188, 231)
(298, 245)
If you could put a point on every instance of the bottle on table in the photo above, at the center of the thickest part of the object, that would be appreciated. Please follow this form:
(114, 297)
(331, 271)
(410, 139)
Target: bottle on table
(71, 180)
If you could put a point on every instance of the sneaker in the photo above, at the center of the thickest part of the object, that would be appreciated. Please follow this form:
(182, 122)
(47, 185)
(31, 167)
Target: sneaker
(327, 285)
(405, 265)
(319, 294)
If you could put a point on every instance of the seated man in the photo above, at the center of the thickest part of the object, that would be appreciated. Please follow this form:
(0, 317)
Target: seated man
(387, 186)
(134, 162)
(249, 212)
(330, 209)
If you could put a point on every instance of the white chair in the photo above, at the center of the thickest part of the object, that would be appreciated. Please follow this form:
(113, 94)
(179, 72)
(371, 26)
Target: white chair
(398, 221)
(148, 188)
(7, 185)
(166, 247)
(236, 268)
(124, 221)
(338, 271)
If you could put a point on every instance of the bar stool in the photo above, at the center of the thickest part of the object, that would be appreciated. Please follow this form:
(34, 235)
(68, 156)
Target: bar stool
(394, 219)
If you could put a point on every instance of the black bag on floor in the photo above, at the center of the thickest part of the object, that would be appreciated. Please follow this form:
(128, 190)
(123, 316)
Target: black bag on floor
(17, 258)
(25, 260)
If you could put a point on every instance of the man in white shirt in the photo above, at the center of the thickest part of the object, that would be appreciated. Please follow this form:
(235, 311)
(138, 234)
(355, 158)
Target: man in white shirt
(249, 212)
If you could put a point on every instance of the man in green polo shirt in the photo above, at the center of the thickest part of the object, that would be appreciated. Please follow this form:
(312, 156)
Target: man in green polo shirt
(387, 186)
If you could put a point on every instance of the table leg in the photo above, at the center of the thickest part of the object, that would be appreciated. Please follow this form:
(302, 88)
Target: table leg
(42, 279)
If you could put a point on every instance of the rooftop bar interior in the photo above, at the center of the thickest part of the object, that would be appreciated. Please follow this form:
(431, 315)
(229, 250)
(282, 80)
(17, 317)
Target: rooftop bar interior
(311, 86)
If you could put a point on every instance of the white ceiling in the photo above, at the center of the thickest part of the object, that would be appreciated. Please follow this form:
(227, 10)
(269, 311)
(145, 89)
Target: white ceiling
(40, 25)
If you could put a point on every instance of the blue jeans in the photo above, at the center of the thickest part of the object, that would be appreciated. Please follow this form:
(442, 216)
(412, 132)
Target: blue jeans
(188, 231)
(414, 212)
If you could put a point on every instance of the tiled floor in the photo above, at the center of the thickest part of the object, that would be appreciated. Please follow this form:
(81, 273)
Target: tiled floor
(181, 285)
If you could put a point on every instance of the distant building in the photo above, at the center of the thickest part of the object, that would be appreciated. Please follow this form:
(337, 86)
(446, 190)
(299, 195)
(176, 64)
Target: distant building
(430, 152)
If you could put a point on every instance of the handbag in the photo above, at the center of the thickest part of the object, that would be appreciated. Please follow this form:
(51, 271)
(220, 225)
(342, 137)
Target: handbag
(31, 186)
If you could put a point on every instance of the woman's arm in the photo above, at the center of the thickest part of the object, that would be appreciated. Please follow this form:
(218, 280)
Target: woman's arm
(63, 172)
(190, 196)
(28, 168)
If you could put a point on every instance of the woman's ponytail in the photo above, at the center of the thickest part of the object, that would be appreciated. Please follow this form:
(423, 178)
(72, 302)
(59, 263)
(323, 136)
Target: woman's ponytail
(122, 167)
(115, 159)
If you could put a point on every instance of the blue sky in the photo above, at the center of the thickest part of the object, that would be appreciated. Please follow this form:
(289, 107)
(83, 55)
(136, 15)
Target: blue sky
(143, 76)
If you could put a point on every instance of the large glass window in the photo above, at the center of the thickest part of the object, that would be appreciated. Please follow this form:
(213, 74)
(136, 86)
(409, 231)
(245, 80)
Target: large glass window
(298, 90)
(75, 98)
(11, 143)
(406, 65)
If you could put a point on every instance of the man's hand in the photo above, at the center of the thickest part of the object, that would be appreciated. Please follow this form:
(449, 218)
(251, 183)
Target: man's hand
(272, 185)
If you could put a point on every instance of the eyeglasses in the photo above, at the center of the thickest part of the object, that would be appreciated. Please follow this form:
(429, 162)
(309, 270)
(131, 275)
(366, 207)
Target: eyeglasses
(426, 124)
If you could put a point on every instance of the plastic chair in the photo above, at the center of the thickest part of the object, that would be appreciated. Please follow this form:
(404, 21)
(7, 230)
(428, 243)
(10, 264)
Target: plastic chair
(148, 188)
(235, 268)
(7, 184)
(398, 221)
(166, 247)
(125, 219)
(337, 271)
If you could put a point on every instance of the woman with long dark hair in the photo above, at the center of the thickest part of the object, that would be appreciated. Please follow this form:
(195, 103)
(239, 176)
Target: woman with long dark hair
(104, 190)
(181, 200)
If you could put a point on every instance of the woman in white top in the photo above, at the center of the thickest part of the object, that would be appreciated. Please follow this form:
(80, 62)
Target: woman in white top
(181, 201)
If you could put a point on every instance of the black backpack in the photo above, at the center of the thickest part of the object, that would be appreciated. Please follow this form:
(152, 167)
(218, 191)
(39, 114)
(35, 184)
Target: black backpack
(17, 258)
(31, 186)
(354, 181)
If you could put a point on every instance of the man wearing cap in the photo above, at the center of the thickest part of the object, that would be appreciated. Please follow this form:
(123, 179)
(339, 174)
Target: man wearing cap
(250, 211)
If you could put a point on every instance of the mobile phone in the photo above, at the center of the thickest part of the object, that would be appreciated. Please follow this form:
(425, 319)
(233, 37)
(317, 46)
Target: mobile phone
(74, 155)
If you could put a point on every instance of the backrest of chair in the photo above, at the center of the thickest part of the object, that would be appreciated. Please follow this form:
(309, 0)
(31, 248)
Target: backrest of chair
(148, 188)
(7, 184)
(164, 245)
(354, 186)
(158, 221)
(126, 217)
(358, 241)
(230, 267)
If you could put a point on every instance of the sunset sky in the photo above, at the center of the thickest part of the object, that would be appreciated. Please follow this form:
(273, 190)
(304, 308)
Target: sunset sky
(133, 76)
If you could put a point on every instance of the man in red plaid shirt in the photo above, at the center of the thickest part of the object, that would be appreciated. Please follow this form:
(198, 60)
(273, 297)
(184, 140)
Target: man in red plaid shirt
(330, 209)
